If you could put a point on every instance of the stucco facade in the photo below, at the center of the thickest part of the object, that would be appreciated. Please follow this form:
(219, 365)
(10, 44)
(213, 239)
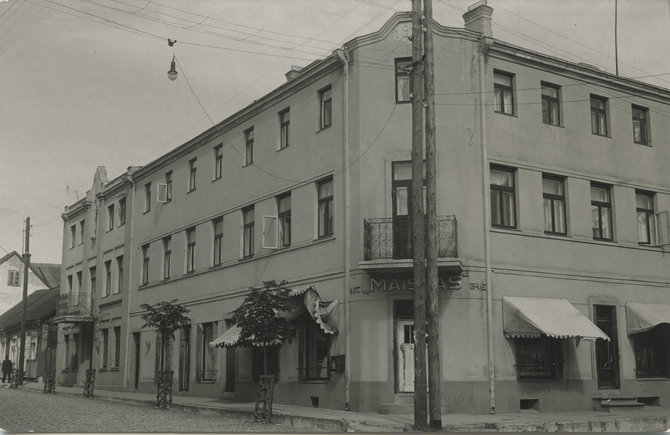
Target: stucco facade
(344, 168)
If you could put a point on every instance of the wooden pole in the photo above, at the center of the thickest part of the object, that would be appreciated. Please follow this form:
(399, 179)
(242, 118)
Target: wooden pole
(417, 223)
(24, 314)
(432, 297)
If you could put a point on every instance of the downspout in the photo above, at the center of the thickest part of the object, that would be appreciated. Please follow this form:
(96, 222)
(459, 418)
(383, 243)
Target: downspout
(484, 45)
(130, 221)
(344, 57)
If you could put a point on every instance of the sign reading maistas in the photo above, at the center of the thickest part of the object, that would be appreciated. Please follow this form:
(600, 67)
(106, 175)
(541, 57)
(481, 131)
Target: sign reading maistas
(396, 284)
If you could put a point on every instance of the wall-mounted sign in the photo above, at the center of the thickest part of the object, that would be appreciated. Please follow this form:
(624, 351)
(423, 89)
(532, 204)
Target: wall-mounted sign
(393, 284)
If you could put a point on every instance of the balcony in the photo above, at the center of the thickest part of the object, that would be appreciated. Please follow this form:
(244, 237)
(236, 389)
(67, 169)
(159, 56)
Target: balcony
(388, 245)
(74, 307)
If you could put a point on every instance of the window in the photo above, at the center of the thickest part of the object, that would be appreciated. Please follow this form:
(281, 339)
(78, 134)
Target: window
(504, 92)
(325, 205)
(598, 115)
(538, 358)
(550, 104)
(164, 353)
(248, 231)
(14, 278)
(190, 250)
(218, 161)
(207, 355)
(117, 345)
(73, 236)
(644, 202)
(651, 352)
(554, 205)
(69, 283)
(403, 80)
(108, 278)
(284, 128)
(122, 211)
(92, 271)
(81, 232)
(105, 345)
(249, 146)
(284, 216)
(168, 186)
(601, 212)
(167, 257)
(191, 174)
(272, 361)
(503, 202)
(218, 240)
(110, 217)
(325, 107)
(145, 264)
(119, 266)
(147, 197)
(79, 281)
(67, 352)
(314, 351)
(640, 125)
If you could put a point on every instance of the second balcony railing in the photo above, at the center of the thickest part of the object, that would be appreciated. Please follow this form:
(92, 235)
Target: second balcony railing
(380, 244)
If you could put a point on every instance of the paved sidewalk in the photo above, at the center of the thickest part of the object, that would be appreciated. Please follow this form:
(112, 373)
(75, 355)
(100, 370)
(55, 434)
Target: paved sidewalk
(650, 419)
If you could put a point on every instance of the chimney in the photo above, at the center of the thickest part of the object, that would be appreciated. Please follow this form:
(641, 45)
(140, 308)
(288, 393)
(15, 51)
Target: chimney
(478, 18)
(293, 72)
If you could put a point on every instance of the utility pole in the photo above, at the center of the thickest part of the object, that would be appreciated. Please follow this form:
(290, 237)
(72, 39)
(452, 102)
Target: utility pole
(432, 297)
(24, 316)
(417, 223)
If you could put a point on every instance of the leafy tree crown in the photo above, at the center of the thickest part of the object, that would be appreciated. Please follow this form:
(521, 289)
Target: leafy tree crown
(166, 317)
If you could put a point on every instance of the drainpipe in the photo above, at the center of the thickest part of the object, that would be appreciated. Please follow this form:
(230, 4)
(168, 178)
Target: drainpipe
(344, 57)
(129, 247)
(484, 44)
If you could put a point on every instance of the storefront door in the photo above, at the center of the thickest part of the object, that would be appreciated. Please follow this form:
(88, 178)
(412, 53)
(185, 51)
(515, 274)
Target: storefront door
(607, 352)
(405, 355)
(184, 358)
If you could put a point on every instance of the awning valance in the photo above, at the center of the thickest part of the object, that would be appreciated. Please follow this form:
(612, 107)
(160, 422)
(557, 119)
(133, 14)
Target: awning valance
(643, 317)
(306, 299)
(557, 318)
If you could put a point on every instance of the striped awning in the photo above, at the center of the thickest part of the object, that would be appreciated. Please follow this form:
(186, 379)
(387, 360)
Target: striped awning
(557, 318)
(643, 317)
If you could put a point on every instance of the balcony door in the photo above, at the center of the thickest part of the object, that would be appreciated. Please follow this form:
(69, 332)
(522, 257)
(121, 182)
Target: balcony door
(402, 209)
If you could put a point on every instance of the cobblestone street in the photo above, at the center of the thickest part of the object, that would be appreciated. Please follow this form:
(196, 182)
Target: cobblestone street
(25, 411)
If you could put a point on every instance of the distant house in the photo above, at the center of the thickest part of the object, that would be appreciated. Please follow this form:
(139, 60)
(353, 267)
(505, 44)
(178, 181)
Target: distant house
(40, 275)
(40, 348)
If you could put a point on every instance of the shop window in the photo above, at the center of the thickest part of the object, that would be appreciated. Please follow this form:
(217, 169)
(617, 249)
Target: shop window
(206, 355)
(314, 351)
(167, 356)
(651, 352)
(538, 358)
(257, 363)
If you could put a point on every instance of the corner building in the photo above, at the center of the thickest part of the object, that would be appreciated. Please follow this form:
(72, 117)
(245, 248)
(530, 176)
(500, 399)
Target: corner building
(552, 218)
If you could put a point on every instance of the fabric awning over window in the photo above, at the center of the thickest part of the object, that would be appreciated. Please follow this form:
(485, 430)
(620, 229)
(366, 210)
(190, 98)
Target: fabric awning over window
(643, 317)
(557, 318)
(305, 299)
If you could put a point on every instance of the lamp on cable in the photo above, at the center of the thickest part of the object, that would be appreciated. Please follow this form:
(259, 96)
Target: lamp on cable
(172, 74)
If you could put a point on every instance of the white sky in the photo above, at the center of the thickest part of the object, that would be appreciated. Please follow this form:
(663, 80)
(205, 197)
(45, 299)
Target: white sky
(83, 82)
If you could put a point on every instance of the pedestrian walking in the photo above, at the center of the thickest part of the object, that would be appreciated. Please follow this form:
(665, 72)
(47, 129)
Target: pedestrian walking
(6, 370)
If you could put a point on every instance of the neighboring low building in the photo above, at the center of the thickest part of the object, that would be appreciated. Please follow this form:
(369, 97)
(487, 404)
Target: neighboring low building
(40, 347)
(40, 275)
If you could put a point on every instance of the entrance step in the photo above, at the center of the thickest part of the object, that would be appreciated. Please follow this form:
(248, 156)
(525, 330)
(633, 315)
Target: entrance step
(610, 404)
(403, 404)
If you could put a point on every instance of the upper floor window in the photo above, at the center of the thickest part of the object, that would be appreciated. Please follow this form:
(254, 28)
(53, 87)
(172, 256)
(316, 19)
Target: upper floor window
(108, 278)
(503, 202)
(644, 202)
(601, 211)
(403, 80)
(145, 264)
(122, 211)
(284, 217)
(69, 284)
(504, 92)
(119, 267)
(191, 174)
(249, 146)
(325, 207)
(599, 115)
(167, 257)
(110, 217)
(168, 186)
(550, 104)
(147, 197)
(14, 278)
(73, 236)
(554, 205)
(248, 231)
(93, 277)
(79, 275)
(81, 232)
(640, 125)
(218, 240)
(190, 250)
(284, 128)
(218, 161)
(325, 107)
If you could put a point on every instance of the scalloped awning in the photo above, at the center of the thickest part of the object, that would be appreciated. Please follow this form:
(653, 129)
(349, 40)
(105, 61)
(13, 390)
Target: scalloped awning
(643, 317)
(557, 318)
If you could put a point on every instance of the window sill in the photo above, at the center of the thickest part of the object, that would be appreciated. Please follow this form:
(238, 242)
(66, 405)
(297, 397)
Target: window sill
(597, 239)
(648, 145)
(553, 234)
(216, 178)
(146, 211)
(538, 379)
(606, 136)
(324, 128)
(247, 164)
(282, 148)
(403, 101)
(651, 378)
(315, 381)
(553, 125)
(114, 369)
(189, 191)
(325, 237)
(511, 229)
(511, 115)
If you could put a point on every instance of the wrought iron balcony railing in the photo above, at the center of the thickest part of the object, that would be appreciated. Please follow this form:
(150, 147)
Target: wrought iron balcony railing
(74, 305)
(380, 244)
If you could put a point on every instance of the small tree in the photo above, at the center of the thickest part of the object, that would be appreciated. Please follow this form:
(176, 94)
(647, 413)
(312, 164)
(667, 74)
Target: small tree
(166, 317)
